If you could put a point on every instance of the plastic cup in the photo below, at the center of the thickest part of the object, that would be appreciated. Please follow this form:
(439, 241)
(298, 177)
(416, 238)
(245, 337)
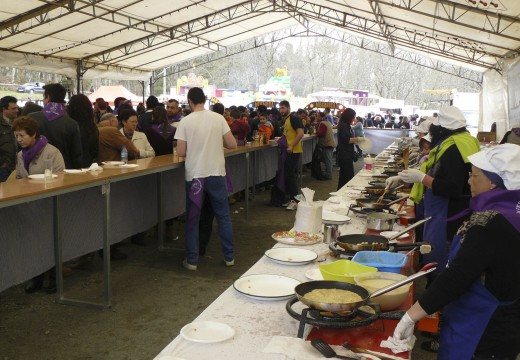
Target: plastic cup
(368, 164)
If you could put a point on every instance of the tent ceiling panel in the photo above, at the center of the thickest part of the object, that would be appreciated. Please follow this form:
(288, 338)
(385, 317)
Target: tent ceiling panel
(143, 35)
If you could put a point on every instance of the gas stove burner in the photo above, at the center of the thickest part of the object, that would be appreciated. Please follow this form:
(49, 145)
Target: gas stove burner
(349, 320)
(341, 253)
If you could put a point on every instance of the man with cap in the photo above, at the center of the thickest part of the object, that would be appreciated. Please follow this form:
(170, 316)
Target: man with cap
(479, 291)
(441, 183)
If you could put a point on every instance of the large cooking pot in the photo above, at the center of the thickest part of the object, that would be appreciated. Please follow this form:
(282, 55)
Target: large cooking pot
(307, 287)
(381, 221)
(362, 242)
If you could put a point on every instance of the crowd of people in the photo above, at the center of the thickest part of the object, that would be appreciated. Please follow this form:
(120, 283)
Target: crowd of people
(471, 195)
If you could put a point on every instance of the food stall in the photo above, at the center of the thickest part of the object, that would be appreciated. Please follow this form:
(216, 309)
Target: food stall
(259, 316)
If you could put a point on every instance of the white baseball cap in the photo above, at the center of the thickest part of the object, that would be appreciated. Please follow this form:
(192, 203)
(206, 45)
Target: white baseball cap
(503, 160)
(450, 118)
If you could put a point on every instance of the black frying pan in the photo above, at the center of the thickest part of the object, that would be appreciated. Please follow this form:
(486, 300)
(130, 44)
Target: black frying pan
(374, 205)
(366, 242)
(307, 287)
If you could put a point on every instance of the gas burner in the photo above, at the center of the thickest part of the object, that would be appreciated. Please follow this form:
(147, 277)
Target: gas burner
(348, 320)
(341, 253)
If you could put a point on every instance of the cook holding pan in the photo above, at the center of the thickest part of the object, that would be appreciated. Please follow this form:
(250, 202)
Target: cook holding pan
(441, 184)
(479, 290)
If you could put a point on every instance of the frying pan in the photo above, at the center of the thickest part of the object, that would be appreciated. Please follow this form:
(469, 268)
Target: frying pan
(377, 183)
(362, 242)
(306, 287)
(373, 204)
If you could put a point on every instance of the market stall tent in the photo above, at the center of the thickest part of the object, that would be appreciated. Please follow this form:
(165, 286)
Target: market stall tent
(109, 93)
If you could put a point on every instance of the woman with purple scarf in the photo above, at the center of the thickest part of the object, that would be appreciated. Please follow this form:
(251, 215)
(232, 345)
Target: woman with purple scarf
(35, 149)
(479, 291)
(31, 159)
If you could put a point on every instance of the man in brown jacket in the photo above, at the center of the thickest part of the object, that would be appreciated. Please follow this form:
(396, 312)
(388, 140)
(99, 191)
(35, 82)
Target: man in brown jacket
(327, 143)
(111, 141)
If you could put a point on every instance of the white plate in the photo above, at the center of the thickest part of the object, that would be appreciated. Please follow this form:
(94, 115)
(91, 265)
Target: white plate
(129, 165)
(314, 274)
(333, 218)
(389, 234)
(74, 171)
(266, 287)
(291, 256)
(297, 238)
(207, 332)
(113, 163)
(365, 145)
(41, 176)
(335, 199)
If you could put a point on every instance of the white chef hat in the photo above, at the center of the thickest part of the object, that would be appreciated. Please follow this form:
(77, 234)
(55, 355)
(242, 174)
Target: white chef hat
(424, 127)
(503, 160)
(450, 118)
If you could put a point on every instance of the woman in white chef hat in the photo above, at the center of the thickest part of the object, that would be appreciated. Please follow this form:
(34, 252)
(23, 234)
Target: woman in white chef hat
(479, 291)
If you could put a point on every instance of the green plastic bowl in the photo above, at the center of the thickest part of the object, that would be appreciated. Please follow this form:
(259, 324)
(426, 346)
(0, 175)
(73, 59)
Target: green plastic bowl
(344, 270)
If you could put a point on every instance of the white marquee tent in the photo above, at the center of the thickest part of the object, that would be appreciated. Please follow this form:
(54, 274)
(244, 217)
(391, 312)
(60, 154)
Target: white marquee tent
(128, 39)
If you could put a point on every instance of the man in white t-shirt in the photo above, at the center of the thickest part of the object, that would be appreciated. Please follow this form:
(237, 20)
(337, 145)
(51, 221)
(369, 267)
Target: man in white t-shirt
(200, 137)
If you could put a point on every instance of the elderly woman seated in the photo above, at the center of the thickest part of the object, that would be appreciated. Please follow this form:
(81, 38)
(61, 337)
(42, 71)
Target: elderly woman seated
(31, 160)
(35, 149)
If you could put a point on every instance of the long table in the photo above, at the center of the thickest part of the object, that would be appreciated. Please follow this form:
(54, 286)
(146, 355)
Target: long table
(256, 322)
(44, 224)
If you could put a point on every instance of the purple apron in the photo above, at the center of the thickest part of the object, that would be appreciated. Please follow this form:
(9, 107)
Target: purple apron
(435, 229)
(466, 318)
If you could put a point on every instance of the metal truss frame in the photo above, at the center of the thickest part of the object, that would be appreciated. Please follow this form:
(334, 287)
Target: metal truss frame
(373, 24)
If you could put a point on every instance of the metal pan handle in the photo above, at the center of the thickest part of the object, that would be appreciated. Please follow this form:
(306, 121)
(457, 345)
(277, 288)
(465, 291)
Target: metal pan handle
(428, 268)
(396, 201)
(413, 226)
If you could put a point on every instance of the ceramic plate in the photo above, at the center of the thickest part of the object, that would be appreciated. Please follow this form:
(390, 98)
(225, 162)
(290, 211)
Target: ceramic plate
(129, 165)
(297, 238)
(74, 171)
(314, 274)
(207, 332)
(291, 256)
(335, 199)
(41, 176)
(113, 163)
(266, 287)
(333, 218)
(389, 234)
(365, 145)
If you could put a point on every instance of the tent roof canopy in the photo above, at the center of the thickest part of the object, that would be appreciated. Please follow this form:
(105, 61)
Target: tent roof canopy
(131, 38)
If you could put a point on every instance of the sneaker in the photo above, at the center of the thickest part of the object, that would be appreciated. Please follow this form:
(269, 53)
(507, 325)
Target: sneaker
(299, 197)
(293, 205)
(230, 262)
(188, 265)
(431, 345)
(285, 204)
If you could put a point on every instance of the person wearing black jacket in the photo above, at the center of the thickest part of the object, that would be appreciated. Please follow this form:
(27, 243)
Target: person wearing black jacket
(61, 130)
(345, 149)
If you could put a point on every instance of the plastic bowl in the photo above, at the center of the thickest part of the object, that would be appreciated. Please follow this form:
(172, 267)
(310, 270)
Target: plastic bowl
(378, 280)
(382, 260)
(343, 270)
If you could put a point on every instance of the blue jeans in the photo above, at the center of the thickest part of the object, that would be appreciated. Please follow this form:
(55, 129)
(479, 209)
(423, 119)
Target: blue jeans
(327, 160)
(215, 189)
